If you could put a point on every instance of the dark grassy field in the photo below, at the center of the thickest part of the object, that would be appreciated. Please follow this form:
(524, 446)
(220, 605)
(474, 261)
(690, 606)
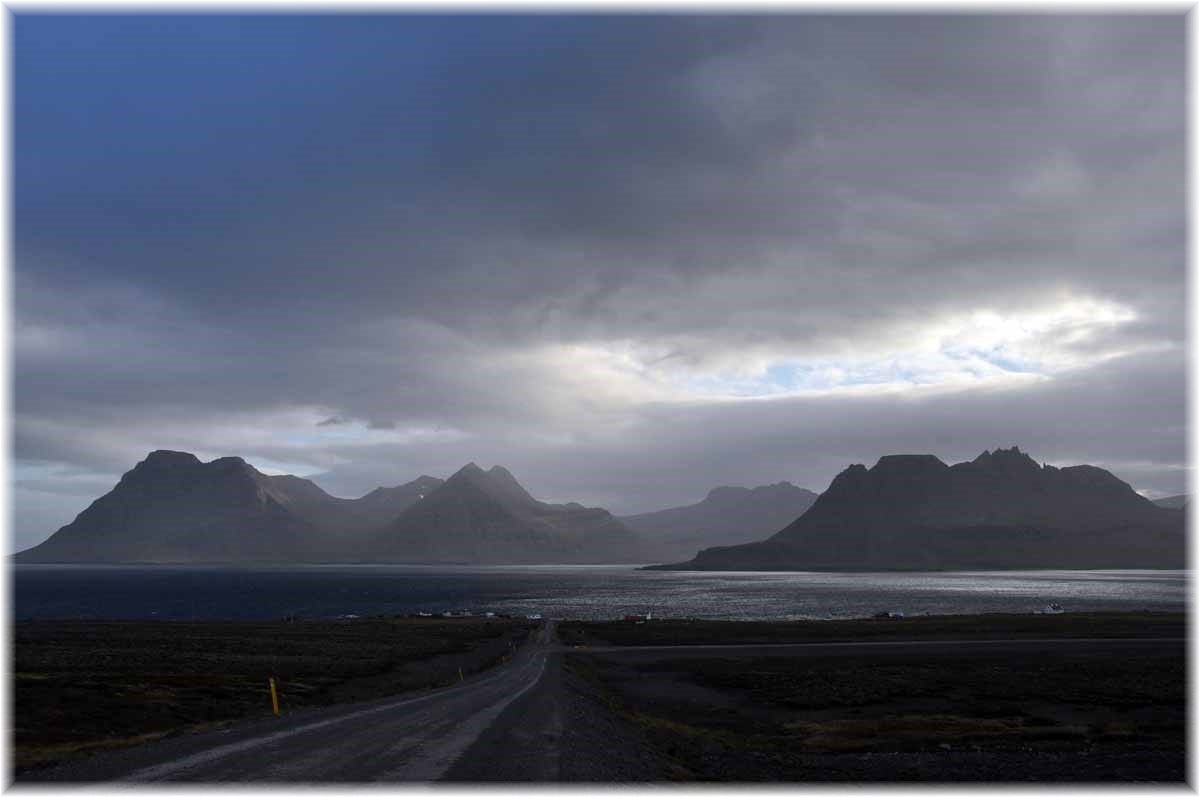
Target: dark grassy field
(85, 686)
(979, 626)
(971, 715)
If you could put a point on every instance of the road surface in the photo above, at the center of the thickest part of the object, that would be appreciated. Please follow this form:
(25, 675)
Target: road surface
(506, 724)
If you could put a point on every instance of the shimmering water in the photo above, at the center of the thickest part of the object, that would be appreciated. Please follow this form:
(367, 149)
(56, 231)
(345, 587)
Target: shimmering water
(591, 592)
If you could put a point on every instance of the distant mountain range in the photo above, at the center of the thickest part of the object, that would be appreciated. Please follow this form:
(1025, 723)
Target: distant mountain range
(999, 511)
(174, 508)
(726, 516)
(1173, 502)
(909, 512)
(487, 517)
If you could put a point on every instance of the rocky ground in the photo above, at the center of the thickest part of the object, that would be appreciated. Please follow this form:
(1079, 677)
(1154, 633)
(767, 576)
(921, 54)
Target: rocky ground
(1030, 713)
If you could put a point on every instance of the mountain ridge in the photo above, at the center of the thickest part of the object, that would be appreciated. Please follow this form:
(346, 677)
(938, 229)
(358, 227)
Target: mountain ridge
(1174, 501)
(488, 517)
(909, 511)
(1001, 510)
(172, 507)
(726, 515)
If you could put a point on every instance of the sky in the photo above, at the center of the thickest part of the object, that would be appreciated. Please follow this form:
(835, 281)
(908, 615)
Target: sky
(629, 258)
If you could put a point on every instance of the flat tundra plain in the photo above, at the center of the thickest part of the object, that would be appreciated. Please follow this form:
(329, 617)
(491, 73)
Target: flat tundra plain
(991, 698)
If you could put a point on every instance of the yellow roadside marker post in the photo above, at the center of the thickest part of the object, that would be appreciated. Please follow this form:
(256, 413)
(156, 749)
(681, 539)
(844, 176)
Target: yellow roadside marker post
(460, 675)
(274, 696)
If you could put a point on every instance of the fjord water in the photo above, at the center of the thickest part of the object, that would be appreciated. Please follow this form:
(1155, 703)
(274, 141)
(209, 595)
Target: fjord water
(220, 592)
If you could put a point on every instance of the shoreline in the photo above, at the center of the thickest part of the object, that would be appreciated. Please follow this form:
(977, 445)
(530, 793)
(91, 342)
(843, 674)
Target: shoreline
(639, 566)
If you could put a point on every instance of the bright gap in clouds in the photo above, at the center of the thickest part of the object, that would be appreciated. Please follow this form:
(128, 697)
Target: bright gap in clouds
(982, 347)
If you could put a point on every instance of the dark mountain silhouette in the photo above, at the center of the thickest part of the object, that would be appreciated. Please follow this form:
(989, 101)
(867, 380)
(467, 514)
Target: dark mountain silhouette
(1173, 502)
(1002, 511)
(726, 516)
(486, 517)
(174, 508)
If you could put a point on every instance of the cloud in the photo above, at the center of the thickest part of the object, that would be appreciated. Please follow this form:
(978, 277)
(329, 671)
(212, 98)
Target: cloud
(628, 257)
(334, 420)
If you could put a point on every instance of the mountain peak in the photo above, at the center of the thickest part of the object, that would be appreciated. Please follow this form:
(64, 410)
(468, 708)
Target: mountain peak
(909, 462)
(504, 483)
(229, 461)
(468, 473)
(233, 466)
(725, 493)
(1004, 454)
(163, 456)
(496, 482)
(1011, 460)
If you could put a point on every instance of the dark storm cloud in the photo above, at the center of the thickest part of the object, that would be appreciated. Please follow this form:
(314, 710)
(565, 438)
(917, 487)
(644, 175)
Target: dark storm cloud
(561, 158)
(334, 420)
(376, 247)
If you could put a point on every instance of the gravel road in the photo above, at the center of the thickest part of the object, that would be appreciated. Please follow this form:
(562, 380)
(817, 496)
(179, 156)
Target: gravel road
(408, 739)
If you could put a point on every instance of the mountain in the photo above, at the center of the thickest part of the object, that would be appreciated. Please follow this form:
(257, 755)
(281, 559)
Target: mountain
(1172, 502)
(174, 508)
(487, 517)
(726, 516)
(345, 523)
(999, 511)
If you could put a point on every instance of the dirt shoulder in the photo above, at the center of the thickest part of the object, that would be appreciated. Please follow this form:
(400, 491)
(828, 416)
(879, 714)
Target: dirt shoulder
(87, 686)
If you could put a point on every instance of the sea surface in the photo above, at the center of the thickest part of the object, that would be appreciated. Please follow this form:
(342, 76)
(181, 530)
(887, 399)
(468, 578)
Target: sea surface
(183, 592)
